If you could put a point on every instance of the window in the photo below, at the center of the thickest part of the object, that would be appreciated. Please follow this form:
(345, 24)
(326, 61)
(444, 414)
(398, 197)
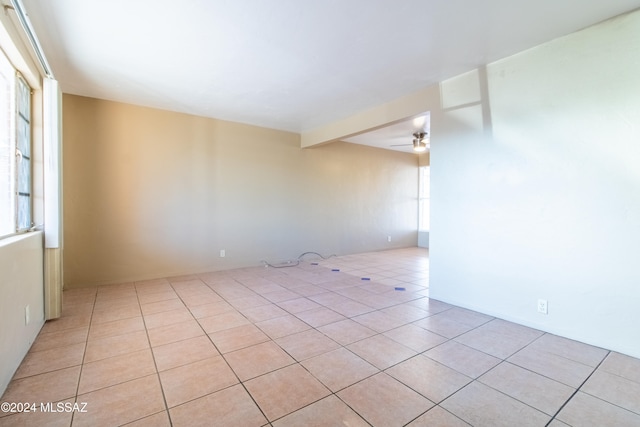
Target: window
(15, 150)
(424, 199)
(23, 155)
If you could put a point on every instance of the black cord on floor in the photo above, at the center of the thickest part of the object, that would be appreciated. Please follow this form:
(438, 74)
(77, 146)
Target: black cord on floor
(297, 261)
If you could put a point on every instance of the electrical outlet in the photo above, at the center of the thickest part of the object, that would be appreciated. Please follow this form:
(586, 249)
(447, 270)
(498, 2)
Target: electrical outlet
(389, 239)
(223, 253)
(542, 306)
(27, 315)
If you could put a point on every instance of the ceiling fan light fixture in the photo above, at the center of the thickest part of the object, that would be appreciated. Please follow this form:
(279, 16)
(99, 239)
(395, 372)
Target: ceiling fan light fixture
(419, 146)
(420, 142)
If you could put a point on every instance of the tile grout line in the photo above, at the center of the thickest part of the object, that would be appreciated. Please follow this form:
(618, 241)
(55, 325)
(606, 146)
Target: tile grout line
(505, 360)
(210, 340)
(578, 389)
(153, 356)
(296, 362)
(438, 406)
(313, 328)
(402, 361)
(84, 353)
(332, 393)
(329, 290)
(240, 382)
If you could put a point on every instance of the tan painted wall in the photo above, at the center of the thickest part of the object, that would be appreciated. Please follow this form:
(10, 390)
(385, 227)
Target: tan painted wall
(424, 159)
(151, 193)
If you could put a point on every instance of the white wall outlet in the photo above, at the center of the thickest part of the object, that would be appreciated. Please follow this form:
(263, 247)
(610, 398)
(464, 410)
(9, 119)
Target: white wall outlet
(388, 238)
(223, 253)
(27, 315)
(542, 306)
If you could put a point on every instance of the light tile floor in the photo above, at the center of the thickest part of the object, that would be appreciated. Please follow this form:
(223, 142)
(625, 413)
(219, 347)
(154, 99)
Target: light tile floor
(351, 340)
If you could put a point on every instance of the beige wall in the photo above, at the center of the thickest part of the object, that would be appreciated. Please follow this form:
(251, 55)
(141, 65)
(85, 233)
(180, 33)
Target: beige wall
(424, 159)
(150, 193)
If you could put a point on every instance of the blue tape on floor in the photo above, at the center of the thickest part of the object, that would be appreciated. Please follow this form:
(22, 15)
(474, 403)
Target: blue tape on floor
(365, 278)
(314, 263)
(400, 289)
(335, 269)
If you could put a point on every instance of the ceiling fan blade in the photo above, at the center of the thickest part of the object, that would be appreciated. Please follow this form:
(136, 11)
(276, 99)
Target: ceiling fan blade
(400, 145)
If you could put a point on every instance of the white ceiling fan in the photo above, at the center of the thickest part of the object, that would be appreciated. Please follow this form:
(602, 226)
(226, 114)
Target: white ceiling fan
(420, 142)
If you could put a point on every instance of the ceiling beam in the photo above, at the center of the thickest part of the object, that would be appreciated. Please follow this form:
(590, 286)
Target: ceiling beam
(392, 112)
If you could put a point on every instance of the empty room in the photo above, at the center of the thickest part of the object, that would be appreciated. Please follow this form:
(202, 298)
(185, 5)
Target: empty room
(322, 213)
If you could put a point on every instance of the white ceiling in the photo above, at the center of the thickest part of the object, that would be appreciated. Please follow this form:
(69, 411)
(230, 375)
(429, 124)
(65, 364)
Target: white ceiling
(288, 64)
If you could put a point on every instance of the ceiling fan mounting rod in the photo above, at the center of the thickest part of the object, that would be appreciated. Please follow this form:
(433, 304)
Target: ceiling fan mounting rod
(419, 135)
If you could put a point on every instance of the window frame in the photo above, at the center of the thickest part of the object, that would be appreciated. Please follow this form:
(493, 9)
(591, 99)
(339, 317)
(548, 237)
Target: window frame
(19, 150)
(23, 113)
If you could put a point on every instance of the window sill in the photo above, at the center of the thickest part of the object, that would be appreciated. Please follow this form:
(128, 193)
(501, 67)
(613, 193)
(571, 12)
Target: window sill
(13, 238)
